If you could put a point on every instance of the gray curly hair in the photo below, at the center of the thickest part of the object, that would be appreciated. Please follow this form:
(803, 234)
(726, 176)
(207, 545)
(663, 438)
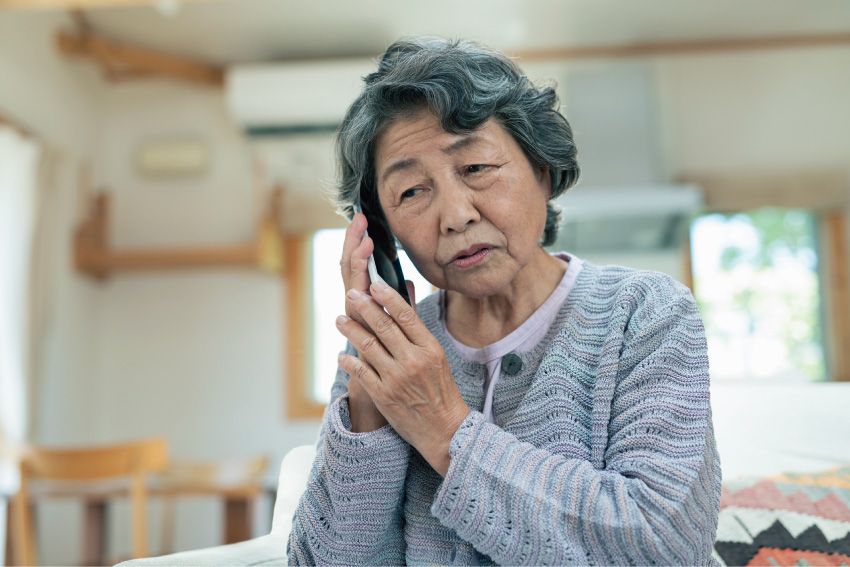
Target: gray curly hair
(463, 84)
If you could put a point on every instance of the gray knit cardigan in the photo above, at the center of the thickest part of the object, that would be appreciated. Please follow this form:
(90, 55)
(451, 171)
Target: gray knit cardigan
(602, 452)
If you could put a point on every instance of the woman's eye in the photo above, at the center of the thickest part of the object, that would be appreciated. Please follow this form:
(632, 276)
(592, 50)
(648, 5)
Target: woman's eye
(412, 192)
(476, 168)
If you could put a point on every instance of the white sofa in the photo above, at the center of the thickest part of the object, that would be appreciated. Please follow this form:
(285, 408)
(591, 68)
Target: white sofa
(761, 429)
(767, 428)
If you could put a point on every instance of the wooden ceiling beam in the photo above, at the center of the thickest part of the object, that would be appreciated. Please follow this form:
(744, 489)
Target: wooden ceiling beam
(79, 4)
(16, 126)
(686, 47)
(121, 61)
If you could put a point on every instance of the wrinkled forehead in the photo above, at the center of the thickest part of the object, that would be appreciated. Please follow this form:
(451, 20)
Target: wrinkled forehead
(404, 132)
(406, 141)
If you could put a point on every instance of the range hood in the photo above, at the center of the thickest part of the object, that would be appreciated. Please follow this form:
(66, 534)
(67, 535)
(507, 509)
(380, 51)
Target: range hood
(623, 202)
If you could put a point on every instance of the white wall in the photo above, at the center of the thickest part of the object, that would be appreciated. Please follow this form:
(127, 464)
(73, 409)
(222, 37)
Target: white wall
(59, 103)
(760, 110)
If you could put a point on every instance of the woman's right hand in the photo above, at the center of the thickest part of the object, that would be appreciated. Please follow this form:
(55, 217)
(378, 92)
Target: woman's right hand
(354, 266)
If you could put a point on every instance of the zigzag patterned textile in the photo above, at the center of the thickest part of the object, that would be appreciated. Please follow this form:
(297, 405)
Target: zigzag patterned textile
(792, 519)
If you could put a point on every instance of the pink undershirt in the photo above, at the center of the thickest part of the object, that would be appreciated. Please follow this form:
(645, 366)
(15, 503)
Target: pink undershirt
(523, 338)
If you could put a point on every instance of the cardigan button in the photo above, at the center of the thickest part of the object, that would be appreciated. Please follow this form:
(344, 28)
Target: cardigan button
(511, 364)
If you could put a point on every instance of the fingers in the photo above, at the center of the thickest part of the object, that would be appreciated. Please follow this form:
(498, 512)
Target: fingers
(354, 252)
(370, 348)
(359, 266)
(361, 373)
(382, 325)
(402, 313)
(353, 236)
(354, 263)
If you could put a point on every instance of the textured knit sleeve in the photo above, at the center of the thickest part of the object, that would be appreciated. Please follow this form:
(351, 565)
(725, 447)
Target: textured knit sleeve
(653, 497)
(351, 511)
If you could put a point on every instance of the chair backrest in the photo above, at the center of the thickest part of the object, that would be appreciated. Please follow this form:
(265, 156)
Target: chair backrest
(134, 460)
(233, 472)
(292, 481)
(94, 463)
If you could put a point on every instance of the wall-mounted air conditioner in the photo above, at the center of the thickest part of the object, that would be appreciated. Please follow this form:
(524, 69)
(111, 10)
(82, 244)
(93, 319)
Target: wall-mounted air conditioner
(291, 98)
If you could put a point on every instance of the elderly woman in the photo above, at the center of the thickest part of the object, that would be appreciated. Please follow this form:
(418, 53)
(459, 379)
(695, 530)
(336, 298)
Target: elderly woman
(538, 409)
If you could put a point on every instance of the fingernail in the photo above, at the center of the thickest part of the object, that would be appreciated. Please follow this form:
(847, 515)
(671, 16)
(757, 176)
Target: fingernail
(341, 320)
(380, 287)
(355, 294)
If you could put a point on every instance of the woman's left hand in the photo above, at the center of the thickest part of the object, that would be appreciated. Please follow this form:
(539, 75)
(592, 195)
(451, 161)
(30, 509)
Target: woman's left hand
(404, 369)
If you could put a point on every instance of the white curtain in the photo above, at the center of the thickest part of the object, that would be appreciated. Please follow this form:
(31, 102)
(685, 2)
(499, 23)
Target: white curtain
(19, 158)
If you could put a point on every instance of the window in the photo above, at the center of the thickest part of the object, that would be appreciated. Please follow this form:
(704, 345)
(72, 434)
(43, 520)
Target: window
(328, 302)
(19, 194)
(757, 280)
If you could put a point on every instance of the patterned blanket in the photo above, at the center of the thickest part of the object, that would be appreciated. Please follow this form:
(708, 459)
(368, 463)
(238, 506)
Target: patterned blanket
(792, 519)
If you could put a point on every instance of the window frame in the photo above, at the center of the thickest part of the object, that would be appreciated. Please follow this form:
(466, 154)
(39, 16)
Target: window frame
(836, 280)
(297, 350)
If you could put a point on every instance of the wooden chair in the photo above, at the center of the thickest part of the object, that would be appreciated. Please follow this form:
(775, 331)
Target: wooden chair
(133, 461)
(187, 477)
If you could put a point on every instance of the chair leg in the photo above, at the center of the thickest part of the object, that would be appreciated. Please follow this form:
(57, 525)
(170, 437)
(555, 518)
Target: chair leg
(23, 537)
(94, 532)
(8, 560)
(238, 515)
(169, 512)
(140, 527)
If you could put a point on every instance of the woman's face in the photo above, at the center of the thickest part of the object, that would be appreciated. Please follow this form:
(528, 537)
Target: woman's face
(469, 209)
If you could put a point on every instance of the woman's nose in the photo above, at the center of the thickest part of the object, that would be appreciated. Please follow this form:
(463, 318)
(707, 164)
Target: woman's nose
(457, 210)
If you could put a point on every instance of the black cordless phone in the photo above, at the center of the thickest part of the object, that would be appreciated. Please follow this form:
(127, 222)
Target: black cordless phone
(383, 263)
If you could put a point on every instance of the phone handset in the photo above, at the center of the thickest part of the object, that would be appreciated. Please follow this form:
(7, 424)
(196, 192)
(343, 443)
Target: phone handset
(383, 263)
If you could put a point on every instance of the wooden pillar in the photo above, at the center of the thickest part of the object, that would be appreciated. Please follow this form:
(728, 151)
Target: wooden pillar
(837, 287)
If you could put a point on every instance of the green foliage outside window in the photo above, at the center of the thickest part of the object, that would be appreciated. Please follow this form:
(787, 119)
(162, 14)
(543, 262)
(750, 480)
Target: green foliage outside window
(757, 284)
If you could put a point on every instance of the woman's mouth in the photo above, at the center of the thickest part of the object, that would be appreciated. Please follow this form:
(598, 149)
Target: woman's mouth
(468, 260)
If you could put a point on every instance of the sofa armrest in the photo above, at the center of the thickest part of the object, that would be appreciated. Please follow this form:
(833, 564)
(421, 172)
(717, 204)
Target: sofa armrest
(266, 550)
(292, 482)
